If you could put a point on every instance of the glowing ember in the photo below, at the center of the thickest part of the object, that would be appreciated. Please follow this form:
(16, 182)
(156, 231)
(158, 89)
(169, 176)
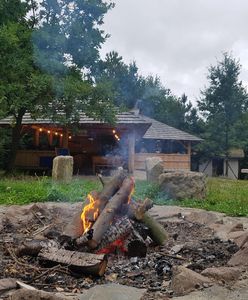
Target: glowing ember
(90, 213)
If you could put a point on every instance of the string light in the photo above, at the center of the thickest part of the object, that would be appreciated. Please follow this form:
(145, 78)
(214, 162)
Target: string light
(113, 131)
(52, 132)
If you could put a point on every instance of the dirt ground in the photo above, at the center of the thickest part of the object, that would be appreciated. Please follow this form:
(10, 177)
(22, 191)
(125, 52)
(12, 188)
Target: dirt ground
(196, 239)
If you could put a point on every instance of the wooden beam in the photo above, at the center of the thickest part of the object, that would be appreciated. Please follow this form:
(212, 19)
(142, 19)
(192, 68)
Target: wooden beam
(36, 137)
(131, 151)
(189, 154)
(65, 141)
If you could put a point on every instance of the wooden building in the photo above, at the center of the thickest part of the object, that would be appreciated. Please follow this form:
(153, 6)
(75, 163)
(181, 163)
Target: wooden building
(172, 145)
(96, 145)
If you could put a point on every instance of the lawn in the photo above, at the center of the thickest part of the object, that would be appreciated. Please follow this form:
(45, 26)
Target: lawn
(223, 195)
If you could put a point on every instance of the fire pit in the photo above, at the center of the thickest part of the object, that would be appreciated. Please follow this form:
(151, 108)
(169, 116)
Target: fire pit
(112, 239)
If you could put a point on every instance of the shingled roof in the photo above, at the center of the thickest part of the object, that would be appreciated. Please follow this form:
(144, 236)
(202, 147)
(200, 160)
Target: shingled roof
(122, 118)
(162, 131)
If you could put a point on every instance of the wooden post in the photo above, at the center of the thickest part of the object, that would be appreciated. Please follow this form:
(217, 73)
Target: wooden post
(50, 138)
(65, 138)
(36, 137)
(60, 141)
(131, 151)
(189, 154)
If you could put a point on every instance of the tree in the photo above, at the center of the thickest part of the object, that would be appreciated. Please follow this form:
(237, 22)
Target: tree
(123, 78)
(48, 50)
(22, 86)
(66, 41)
(223, 104)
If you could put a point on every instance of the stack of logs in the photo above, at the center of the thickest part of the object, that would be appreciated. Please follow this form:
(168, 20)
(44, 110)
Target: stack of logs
(114, 229)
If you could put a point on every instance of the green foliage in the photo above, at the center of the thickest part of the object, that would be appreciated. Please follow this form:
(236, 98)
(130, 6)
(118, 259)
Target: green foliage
(124, 79)
(223, 105)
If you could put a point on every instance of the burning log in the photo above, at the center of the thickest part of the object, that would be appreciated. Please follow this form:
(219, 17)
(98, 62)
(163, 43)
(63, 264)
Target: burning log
(94, 236)
(76, 228)
(118, 231)
(79, 262)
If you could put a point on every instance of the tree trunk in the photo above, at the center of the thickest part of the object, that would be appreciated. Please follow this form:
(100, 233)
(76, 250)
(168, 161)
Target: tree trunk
(16, 136)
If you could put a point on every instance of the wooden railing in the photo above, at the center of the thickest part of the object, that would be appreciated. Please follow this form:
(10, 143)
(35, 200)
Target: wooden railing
(170, 161)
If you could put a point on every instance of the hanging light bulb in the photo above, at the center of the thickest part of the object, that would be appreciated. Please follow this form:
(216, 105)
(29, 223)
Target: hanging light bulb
(48, 131)
(40, 129)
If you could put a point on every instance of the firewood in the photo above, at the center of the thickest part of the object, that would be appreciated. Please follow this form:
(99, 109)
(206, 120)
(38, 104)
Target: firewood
(119, 230)
(156, 230)
(135, 245)
(79, 262)
(75, 229)
(33, 247)
(137, 209)
(111, 187)
(106, 217)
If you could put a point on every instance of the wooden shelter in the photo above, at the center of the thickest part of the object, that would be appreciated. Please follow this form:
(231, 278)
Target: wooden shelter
(96, 145)
(172, 145)
(93, 145)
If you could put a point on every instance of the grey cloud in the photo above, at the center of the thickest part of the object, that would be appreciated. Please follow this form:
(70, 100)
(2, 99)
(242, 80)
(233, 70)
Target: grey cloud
(178, 39)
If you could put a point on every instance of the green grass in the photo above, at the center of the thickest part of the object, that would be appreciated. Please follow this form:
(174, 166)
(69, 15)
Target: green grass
(42, 189)
(223, 195)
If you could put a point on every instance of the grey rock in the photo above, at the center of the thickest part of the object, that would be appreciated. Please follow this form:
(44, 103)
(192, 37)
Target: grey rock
(62, 168)
(113, 292)
(154, 168)
(181, 185)
(185, 281)
(222, 273)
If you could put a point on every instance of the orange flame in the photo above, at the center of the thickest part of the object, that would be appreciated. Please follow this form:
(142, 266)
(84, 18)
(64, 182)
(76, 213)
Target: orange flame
(90, 213)
(132, 191)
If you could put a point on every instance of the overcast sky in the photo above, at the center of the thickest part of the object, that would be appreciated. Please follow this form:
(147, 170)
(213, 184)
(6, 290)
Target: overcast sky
(179, 39)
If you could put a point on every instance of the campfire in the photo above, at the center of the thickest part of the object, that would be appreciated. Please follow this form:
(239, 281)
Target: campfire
(110, 222)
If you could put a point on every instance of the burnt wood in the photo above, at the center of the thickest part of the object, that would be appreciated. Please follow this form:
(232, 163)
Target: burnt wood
(119, 230)
(80, 262)
(107, 216)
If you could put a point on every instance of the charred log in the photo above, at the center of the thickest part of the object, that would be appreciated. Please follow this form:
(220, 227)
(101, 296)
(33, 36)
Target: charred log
(33, 247)
(117, 231)
(79, 262)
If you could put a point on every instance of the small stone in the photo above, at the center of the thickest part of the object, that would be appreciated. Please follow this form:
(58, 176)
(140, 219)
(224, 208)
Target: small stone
(222, 273)
(134, 260)
(185, 281)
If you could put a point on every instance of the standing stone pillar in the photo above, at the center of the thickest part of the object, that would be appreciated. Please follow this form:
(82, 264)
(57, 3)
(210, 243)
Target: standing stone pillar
(62, 168)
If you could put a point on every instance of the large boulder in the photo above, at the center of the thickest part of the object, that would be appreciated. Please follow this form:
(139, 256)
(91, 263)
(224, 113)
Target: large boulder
(154, 168)
(62, 168)
(181, 185)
